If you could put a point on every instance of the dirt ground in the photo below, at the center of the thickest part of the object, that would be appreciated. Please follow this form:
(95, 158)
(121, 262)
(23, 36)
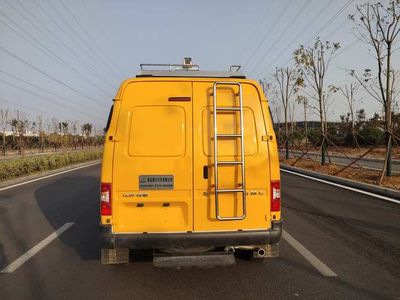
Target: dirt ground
(358, 174)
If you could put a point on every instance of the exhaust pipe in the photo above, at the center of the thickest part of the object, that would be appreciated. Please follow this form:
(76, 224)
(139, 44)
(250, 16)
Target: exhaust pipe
(259, 253)
(230, 249)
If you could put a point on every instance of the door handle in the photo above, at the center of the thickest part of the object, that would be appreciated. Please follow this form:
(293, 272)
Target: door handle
(205, 172)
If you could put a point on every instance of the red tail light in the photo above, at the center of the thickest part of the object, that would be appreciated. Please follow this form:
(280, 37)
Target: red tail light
(275, 195)
(105, 199)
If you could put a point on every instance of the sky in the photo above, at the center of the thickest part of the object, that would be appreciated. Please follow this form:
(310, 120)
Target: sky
(65, 59)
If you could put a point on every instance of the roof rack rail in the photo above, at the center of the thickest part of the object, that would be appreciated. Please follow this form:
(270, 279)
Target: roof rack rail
(187, 65)
(170, 67)
(187, 69)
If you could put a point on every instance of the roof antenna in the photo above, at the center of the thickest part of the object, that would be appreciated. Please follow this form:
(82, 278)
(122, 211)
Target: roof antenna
(235, 68)
(187, 62)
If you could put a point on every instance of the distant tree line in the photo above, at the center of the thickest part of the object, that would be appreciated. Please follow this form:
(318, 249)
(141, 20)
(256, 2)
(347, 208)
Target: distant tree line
(356, 133)
(21, 133)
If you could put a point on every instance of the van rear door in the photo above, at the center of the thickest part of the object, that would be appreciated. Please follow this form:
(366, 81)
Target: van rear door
(152, 170)
(257, 173)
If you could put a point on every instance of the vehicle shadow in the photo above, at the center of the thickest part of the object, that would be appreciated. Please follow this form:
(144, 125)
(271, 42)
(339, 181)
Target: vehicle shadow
(73, 199)
(3, 258)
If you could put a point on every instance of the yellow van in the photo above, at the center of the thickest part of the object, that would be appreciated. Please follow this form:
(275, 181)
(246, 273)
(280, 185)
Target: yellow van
(190, 165)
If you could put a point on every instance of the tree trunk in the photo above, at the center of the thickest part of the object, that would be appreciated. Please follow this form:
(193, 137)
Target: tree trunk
(321, 116)
(388, 113)
(305, 124)
(353, 129)
(4, 144)
(286, 135)
(20, 145)
(389, 154)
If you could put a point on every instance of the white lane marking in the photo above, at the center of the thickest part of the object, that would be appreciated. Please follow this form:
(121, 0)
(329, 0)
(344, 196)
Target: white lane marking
(344, 187)
(311, 258)
(47, 176)
(35, 249)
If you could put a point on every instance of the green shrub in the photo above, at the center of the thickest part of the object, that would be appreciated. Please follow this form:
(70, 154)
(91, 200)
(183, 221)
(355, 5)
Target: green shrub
(315, 137)
(11, 168)
(370, 136)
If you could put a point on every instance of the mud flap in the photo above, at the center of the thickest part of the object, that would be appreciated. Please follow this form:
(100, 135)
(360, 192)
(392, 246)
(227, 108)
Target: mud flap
(114, 256)
(272, 250)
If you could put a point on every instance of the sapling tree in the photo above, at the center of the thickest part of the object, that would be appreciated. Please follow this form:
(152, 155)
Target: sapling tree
(303, 100)
(287, 82)
(4, 122)
(313, 62)
(378, 25)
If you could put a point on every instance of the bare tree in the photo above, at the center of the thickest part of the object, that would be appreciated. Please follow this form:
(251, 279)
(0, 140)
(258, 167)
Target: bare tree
(21, 124)
(276, 116)
(54, 136)
(349, 91)
(74, 130)
(304, 101)
(4, 119)
(313, 62)
(292, 108)
(63, 128)
(379, 26)
(287, 81)
(41, 133)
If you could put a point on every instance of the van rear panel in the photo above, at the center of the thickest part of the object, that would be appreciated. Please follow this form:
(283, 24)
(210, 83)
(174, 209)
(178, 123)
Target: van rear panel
(163, 161)
(256, 159)
(152, 170)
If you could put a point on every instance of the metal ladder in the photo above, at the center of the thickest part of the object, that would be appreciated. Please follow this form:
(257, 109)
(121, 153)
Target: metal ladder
(218, 163)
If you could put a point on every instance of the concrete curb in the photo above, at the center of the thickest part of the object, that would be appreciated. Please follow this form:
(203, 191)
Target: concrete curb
(347, 182)
(45, 173)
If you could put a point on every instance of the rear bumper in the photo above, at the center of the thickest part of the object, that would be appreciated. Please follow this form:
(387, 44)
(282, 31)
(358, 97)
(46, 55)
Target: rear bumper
(192, 239)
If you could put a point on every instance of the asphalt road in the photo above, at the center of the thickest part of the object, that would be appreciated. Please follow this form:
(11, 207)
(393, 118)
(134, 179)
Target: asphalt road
(356, 236)
(373, 164)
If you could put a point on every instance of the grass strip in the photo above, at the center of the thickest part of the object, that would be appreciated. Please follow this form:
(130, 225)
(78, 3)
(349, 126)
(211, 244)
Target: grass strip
(16, 167)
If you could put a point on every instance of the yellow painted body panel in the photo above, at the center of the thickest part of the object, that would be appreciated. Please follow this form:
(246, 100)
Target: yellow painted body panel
(154, 138)
(151, 135)
(256, 159)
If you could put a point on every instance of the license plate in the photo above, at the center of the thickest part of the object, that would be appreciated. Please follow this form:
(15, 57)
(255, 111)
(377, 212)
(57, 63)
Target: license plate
(156, 182)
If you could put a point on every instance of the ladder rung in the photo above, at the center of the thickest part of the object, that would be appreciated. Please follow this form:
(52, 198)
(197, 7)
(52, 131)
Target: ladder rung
(229, 135)
(229, 162)
(228, 108)
(230, 191)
